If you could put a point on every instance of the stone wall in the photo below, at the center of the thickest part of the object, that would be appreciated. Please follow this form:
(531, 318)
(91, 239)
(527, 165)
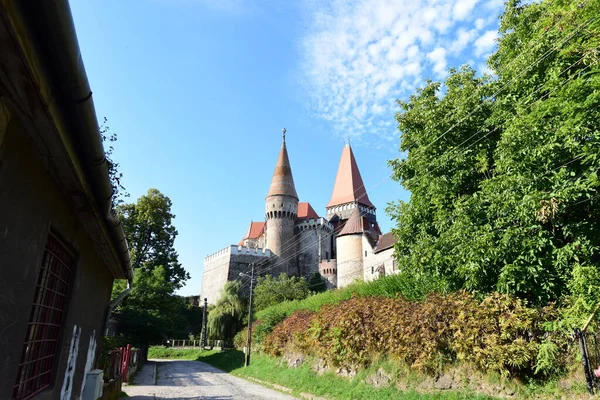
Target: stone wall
(349, 259)
(226, 265)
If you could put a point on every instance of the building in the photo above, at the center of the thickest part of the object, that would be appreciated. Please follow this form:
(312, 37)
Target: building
(61, 248)
(344, 246)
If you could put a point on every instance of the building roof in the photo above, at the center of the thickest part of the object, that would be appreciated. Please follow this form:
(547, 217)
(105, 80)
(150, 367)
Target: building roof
(45, 80)
(255, 230)
(305, 211)
(385, 242)
(283, 181)
(357, 223)
(349, 186)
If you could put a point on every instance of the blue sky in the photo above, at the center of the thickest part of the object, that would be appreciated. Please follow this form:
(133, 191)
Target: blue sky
(199, 90)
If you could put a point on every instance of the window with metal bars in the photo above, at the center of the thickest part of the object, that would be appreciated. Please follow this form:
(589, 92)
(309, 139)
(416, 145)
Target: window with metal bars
(45, 321)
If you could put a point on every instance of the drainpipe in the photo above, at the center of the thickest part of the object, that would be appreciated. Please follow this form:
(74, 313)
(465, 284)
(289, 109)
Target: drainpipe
(115, 303)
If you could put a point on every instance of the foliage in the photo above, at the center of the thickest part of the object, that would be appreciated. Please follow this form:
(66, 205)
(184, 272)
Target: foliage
(304, 380)
(115, 176)
(411, 286)
(148, 226)
(151, 313)
(157, 352)
(270, 291)
(503, 172)
(225, 318)
(496, 334)
(317, 283)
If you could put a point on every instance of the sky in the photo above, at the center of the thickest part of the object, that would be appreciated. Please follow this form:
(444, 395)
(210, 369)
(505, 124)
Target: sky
(199, 90)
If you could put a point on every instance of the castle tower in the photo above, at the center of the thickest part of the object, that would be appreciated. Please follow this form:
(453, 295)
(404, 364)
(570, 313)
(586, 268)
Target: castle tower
(349, 191)
(281, 209)
(349, 194)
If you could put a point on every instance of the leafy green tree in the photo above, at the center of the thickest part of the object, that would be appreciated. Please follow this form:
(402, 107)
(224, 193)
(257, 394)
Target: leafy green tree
(151, 235)
(225, 319)
(503, 172)
(317, 284)
(270, 291)
(151, 313)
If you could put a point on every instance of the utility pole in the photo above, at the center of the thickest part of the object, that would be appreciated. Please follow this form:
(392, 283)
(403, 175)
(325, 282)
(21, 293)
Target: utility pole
(204, 323)
(249, 342)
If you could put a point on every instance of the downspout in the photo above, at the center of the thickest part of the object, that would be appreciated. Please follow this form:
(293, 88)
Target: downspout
(115, 303)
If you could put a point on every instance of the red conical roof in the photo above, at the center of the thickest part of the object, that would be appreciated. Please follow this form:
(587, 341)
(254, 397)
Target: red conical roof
(283, 181)
(349, 185)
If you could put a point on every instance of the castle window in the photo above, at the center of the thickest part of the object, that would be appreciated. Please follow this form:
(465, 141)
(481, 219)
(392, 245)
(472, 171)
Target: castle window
(365, 253)
(372, 270)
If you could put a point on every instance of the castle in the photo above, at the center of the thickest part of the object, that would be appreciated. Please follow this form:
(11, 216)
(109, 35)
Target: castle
(344, 246)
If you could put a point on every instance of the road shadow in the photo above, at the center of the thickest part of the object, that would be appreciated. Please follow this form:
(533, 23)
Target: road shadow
(226, 360)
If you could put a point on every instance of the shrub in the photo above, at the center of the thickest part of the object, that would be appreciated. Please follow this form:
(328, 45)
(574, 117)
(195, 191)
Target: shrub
(497, 334)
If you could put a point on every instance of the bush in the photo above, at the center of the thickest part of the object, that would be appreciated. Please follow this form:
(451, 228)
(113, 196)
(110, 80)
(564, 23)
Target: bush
(410, 287)
(497, 334)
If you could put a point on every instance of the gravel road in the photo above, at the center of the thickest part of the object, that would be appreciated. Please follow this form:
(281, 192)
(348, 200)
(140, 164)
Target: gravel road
(194, 380)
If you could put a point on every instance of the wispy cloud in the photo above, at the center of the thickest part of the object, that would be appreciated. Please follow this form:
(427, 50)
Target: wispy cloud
(359, 56)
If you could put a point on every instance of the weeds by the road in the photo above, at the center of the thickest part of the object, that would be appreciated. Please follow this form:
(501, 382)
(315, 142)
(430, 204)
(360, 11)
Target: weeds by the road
(304, 380)
(180, 354)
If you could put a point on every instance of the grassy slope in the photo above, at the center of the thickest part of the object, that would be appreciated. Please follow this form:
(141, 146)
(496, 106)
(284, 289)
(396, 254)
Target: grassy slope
(302, 379)
(408, 287)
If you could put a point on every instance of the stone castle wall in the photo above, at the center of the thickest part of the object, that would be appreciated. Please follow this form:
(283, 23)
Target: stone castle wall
(349, 259)
(226, 264)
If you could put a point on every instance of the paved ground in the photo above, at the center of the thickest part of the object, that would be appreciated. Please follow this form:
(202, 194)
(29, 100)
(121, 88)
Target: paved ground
(194, 380)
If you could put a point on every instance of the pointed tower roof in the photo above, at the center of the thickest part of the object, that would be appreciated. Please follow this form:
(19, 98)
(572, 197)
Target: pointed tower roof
(358, 223)
(283, 181)
(349, 185)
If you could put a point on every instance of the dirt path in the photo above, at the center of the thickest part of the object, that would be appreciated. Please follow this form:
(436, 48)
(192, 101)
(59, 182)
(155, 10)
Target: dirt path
(194, 380)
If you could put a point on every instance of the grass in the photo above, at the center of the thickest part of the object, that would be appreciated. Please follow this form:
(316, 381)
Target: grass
(180, 354)
(410, 287)
(304, 380)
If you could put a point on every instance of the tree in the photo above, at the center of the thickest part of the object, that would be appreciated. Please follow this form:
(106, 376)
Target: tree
(225, 318)
(270, 291)
(151, 313)
(151, 235)
(317, 284)
(115, 176)
(503, 172)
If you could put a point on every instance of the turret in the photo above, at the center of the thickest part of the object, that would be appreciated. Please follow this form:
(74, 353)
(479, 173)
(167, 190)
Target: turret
(349, 191)
(281, 209)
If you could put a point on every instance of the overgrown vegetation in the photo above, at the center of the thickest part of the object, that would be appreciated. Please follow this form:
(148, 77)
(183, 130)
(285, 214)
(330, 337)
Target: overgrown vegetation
(270, 291)
(496, 334)
(503, 172)
(304, 379)
(151, 313)
(225, 319)
(408, 286)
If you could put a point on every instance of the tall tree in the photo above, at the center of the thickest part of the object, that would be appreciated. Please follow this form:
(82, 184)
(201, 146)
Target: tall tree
(503, 172)
(152, 312)
(151, 235)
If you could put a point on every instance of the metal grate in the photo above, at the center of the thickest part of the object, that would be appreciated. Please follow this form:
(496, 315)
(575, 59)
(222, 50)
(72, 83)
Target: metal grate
(45, 321)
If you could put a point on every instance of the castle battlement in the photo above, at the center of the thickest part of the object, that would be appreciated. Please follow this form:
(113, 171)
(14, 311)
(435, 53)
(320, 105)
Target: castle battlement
(313, 224)
(247, 251)
(234, 249)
